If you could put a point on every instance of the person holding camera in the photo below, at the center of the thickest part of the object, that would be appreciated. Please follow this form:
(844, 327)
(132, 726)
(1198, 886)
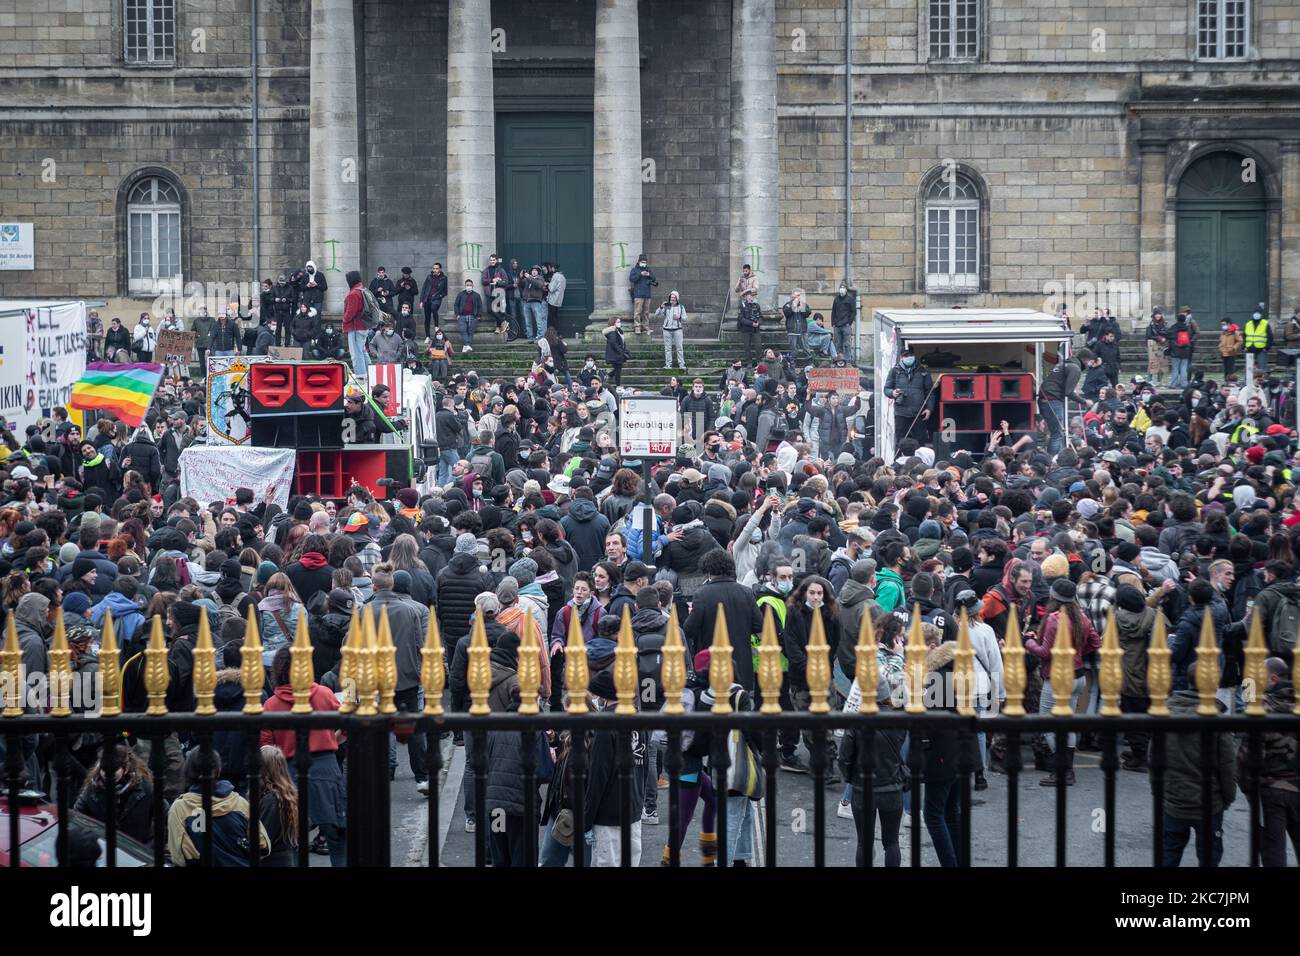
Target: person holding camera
(674, 315)
(641, 280)
(796, 313)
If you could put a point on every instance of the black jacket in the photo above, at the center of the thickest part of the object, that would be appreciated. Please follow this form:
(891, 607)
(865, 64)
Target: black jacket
(585, 529)
(844, 309)
(459, 583)
(434, 289)
(448, 428)
(601, 806)
(144, 458)
(798, 631)
(327, 633)
(741, 612)
(616, 351)
(750, 316)
(134, 809)
(916, 386)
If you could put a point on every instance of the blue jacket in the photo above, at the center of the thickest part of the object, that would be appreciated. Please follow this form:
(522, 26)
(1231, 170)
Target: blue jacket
(641, 284)
(127, 616)
(1182, 643)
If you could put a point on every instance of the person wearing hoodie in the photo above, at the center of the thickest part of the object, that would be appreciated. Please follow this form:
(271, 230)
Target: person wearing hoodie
(327, 804)
(1187, 634)
(688, 542)
(585, 529)
(230, 816)
(1183, 807)
(463, 579)
(1135, 622)
(561, 552)
(133, 788)
(141, 455)
(127, 616)
(106, 570)
(408, 623)
(719, 515)
(1279, 782)
(674, 315)
(311, 573)
(856, 545)
(328, 625)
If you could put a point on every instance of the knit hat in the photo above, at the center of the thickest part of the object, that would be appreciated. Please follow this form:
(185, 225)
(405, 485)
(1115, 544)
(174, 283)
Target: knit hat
(466, 543)
(68, 553)
(1127, 551)
(602, 684)
(77, 603)
(1062, 590)
(1255, 454)
(187, 613)
(1129, 598)
(930, 529)
(1055, 566)
(508, 590)
(402, 581)
(82, 566)
(341, 600)
(1087, 507)
(265, 570)
(523, 571)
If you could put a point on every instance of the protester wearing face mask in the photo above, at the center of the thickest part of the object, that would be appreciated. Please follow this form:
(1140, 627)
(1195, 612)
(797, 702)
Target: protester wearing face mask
(641, 280)
(468, 308)
(911, 389)
(1230, 343)
(616, 350)
(796, 313)
(674, 315)
(144, 339)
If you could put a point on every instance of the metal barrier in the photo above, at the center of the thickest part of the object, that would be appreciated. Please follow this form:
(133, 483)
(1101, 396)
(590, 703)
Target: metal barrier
(368, 714)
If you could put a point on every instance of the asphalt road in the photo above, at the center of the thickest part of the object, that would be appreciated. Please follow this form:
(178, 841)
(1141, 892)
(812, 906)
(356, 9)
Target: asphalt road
(1085, 823)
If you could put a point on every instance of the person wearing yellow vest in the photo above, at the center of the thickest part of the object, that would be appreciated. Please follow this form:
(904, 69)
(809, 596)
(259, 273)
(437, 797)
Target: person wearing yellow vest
(1259, 339)
(774, 593)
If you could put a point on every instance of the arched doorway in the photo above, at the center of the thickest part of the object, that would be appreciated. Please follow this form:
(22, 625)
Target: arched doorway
(1222, 250)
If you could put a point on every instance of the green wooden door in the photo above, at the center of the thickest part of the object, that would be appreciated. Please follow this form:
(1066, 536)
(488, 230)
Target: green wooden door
(1221, 247)
(544, 201)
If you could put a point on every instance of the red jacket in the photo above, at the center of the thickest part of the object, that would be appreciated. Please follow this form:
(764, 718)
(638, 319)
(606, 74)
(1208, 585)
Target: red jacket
(354, 305)
(322, 698)
(1042, 647)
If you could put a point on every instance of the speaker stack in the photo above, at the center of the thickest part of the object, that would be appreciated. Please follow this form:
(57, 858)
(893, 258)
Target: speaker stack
(973, 404)
(299, 405)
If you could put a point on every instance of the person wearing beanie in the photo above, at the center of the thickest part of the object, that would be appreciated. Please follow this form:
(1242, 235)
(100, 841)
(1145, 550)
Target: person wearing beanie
(1061, 601)
(264, 572)
(463, 579)
(68, 553)
(329, 630)
(76, 605)
(1056, 566)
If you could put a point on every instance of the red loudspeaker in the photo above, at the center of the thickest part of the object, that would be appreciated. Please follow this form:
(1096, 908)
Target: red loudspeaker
(296, 388)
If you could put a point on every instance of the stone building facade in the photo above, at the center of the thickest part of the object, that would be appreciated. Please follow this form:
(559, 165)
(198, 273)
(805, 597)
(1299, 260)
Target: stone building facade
(1004, 152)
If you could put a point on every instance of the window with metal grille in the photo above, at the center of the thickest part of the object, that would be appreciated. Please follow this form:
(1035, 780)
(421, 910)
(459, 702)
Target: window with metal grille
(153, 235)
(1221, 28)
(954, 29)
(149, 31)
(952, 234)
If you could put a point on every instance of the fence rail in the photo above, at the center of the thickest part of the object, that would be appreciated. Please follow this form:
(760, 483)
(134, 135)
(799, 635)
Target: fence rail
(368, 677)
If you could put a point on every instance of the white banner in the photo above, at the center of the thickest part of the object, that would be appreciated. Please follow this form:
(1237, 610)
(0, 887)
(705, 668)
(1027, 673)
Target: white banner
(17, 245)
(37, 377)
(213, 473)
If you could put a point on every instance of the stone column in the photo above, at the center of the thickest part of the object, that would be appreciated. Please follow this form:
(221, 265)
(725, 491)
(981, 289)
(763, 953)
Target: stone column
(334, 148)
(755, 195)
(616, 154)
(471, 143)
(1288, 274)
(1154, 252)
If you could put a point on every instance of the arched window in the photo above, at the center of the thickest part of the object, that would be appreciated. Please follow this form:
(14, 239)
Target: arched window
(952, 233)
(153, 235)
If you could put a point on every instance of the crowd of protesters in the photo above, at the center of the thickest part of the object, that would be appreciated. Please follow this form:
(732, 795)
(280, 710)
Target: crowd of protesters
(1143, 503)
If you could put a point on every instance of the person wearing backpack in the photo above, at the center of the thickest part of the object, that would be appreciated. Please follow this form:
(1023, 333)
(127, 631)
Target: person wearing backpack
(486, 461)
(229, 824)
(354, 323)
(1278, 606)
(1182, 342)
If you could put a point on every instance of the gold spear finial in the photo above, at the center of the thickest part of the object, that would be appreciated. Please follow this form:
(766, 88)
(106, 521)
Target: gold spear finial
(963, 671)
(529, 668)
(577, 675)
(252, 675)
(1207, 667)
(205, 668)
(300, 668)
(386, 664)
(721, 667)
(11, 663)
(1159, 678)
(673, 669)
(819, 666)
(867, 667)
(348, 666)
(479, 674)
(433, 664)
(1255, 673)
(110, 669)
(156, 676)
(1013, 667)
(769, 665)
(914, 663)
(1062, 667)
(1112, 667)
(60, 670)
(367, 667)
(625, 666)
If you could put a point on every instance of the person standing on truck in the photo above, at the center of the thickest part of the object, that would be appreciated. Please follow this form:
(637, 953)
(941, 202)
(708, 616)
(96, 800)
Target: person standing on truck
(910, 386)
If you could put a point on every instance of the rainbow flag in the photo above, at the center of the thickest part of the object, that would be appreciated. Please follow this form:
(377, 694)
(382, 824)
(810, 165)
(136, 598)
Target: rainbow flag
(123, 390)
